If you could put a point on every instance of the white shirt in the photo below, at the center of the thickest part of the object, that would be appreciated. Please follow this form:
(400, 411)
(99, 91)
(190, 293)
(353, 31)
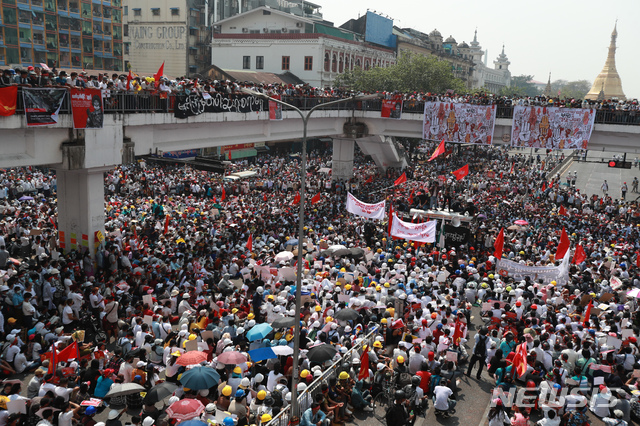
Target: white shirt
(442, 394)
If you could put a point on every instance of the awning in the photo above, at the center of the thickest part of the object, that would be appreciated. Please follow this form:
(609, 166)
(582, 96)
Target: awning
(39, 48)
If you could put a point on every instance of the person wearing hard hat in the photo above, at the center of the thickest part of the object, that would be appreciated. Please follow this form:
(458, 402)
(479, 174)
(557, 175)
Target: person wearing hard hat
(224, 400)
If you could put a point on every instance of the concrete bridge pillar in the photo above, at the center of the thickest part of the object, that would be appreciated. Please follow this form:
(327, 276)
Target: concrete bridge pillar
(342, 161)
(81, 185)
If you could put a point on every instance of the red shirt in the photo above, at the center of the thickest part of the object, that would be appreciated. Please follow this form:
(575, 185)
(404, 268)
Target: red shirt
(425, 380)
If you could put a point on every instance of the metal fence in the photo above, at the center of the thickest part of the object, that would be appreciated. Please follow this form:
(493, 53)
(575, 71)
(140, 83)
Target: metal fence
(146, 101)
(308, 396)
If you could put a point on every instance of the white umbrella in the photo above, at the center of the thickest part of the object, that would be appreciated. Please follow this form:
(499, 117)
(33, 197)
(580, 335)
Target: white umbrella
(283, 256)
(282, 350)
(336, 247)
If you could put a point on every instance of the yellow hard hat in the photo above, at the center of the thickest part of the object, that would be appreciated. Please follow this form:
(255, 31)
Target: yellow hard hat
(192, 337)
(347, 287)
(318, 308)
(226, 391)
(344, 375)
(377, 344)
(400, 359)
(234, 310)
(288, 337)
(484, 285)
(343, 270)
(554, 282)
(265, 418)
(379, 251)
(378, 288)
(262, 395)
(251, 316)
(508, 288)
(328, 319)
(383, 321)
(176, 353)
(491, 276)
(374, 283)
(304, 374)
(330, 228)
(387, 285)
(521, 252)
(237, 370)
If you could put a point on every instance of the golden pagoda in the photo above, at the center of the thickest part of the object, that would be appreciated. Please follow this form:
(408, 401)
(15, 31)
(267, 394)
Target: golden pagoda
(608, 83)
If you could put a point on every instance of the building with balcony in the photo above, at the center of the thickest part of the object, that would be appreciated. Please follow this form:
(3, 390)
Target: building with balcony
(270, 40)
(175, 32)
(80, 34)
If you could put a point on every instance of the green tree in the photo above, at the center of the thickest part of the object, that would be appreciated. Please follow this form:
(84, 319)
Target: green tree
(412, 73)
(570, 89)
(521, 86)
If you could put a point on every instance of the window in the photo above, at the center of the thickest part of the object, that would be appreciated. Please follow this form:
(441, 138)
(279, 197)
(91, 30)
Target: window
(285, 63)
(155, 11)
(327, 62)
(175, 11)
(259, 62)
(137, 12)
(308, 63)
(126, 11)
(125, 30)
(246, 62)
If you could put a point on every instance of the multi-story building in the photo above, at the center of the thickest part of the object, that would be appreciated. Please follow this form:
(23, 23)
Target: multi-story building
(80, 34)
(493, 79)
(175, 32)
(270, 40)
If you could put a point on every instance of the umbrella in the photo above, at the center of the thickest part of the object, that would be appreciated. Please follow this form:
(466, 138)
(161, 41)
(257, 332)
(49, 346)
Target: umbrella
(259, 331)
(25, 198)
(261, 354)
(634, 293)
(192, 357)
(482, 216)
(346, 314)
(357, 252)
(336, 247)
(160, 392)
(282, 350)
(231, 358)
(122, 389)
(199, 378)
(283, 256)
(185, 409)
(341, 252)
(292, 242)
(193, 422)
(321, 353)
(514, 228)
(521, 222)
(283, 322)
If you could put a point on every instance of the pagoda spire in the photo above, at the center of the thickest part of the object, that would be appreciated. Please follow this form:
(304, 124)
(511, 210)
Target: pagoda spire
(547, 89)
(608, 81)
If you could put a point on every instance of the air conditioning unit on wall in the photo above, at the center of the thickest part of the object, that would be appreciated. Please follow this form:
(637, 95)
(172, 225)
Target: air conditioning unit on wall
(245, 30)
(284, 30)
(299, 24)
(265, 30)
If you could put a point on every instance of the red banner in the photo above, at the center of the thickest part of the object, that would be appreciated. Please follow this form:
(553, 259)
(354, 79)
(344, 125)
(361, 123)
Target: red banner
(391, 108)
(275, 109)
(8, 100)
(86, 105)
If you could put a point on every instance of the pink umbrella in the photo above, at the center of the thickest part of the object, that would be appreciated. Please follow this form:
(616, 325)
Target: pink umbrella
(521, 222)
(185, 409)
(192, 357)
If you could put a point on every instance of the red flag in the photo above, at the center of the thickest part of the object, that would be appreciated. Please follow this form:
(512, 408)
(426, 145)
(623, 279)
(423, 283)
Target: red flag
(638, 259)
(296, 199)
(411, 200)
(461, 172)
(369, 180)
(499, 245)
(563, 211)
(544, 186)
(159, 75)
(250, 243)
(587, 313)
(316, 198)
(166, 224)
(579, 256)
(229, 152)
(129, 78)
(439, 150)
(520, 359)
(564, 244)
(8, 100)
(224, 194)
(390, 220)
(264, 197)
(512, 168)
(401, 179)
(70, 352)
(364, 364)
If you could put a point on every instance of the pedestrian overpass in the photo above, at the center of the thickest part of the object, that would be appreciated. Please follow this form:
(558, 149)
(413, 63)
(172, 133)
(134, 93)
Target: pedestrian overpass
(81, 157)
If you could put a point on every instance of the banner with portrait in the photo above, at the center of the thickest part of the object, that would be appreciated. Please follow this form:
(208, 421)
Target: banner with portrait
(552, 127)
(418, 232)
(196, 104)
(86, 106)
(42, 106)
(275, 109)
(370, 211)
(459, 123)
(518, 271)
(392, 108)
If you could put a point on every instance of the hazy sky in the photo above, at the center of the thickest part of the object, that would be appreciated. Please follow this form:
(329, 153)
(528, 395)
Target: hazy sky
(568, 38)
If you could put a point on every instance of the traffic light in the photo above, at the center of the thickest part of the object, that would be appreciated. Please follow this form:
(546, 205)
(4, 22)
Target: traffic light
(619, 164)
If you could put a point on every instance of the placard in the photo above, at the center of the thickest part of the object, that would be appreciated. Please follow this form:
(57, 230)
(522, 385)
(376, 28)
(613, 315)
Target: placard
(452, 356)
(148, 299)
(147, 319)
(344, 298)
(598, 380)
(614, 342)
(626, 333)
(17, 406)
(191, 345)
(42, 106)
(206, 334)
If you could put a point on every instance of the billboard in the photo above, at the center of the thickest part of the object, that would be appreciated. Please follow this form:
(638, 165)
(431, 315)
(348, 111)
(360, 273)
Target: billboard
(379, 30)
(459, 123)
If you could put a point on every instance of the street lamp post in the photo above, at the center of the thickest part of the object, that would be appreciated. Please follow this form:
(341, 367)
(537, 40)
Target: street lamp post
(303, 173)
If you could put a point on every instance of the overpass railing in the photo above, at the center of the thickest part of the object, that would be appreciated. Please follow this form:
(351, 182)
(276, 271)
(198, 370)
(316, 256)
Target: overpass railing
(146, 101)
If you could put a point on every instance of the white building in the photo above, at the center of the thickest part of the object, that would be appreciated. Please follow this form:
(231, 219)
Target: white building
(269, 40)
(492, 79)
